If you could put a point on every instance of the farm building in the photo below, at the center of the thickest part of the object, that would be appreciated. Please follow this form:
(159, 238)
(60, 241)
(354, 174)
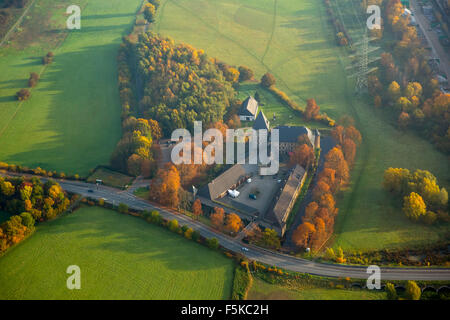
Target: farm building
(261, 122)
(289, 137)
(249, 109)
(230, 179)
(278, 215)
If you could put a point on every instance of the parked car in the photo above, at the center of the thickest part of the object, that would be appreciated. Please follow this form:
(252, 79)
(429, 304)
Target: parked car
(252, 196)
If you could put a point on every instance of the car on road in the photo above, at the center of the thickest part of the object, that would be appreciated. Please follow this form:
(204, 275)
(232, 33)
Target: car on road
(91, 191)
(244, 249)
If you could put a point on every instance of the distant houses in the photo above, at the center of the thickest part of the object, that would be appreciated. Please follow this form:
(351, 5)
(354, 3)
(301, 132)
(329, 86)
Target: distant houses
(249, 109)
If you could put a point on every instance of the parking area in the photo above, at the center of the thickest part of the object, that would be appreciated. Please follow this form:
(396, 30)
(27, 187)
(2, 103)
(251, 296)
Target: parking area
(263, 188)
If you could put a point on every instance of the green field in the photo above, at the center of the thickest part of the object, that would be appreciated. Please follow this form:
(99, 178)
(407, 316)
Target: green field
(262, 290)
(292, 40)
(120, 257)
(72, 121)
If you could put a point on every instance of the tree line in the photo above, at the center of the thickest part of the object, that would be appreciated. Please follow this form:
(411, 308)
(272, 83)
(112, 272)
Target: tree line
(36, 202)
(318, 220)
(406, 85)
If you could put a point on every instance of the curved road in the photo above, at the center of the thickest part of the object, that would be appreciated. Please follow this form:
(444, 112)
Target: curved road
(115, 196)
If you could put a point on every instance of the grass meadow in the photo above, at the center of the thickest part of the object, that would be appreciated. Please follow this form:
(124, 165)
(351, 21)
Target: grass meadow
(120, 257)
(262, 290)
(71, 123)
(293, 41)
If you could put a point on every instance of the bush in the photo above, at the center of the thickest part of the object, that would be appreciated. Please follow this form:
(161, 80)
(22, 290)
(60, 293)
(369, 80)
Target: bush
(34, 78)
(23, 94)
(173, 225)
(241, 283)
(123, 208)
(391, 293)
(413, 291)
(268, 80)
(48, 58)
(213, 243)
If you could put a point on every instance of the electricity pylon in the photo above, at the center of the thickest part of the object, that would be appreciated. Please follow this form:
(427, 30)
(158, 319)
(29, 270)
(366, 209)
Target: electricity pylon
(362, 67)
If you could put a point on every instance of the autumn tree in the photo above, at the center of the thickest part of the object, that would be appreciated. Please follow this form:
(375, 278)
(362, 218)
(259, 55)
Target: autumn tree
(320, 189)
(165, 186)
(33, 80)
(413, 291)
(352, 133)
(155, 129)
(311, 110)
(335, 160)
(218, 217)
(233, 223)
(302, 155)
(245, 73)
(328, 176)
(403, 120)
(349, 149)
(396, 180)
(149, 12)
(338, 134)
(23, 94)
(302, 235)
(394, 91)
(413, 206)
(197, 208)
(268, 80)
(310, 212)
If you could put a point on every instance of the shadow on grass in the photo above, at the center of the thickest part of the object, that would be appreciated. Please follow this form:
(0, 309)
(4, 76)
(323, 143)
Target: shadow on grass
(117, 233)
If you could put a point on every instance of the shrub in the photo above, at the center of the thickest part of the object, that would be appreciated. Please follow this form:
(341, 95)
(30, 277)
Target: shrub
(268, 80)
(241, 283)
(23, 94)
(173, 225)
(391, 294)
(34, 78)
(123, 208)
(48, 58)
(413, 291)
(213, 243)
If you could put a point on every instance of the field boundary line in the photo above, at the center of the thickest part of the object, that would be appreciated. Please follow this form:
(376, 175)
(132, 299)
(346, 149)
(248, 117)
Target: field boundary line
(18, 22)
(274, 23)
(2, 131)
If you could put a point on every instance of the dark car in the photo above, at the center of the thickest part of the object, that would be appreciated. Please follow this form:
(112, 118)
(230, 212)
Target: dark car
(91, 191)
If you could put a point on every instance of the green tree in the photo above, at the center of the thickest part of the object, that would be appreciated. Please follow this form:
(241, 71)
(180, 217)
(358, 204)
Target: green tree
(213, 243)
(27, 219)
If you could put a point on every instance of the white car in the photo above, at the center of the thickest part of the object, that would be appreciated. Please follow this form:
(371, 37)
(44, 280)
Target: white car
(244, 249)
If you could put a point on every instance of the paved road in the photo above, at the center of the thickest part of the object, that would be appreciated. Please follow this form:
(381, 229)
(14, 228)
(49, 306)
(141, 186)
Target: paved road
(432, 39)
(287, 262)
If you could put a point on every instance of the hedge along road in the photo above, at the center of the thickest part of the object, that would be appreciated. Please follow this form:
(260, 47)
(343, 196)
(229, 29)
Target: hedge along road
(116, 196)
